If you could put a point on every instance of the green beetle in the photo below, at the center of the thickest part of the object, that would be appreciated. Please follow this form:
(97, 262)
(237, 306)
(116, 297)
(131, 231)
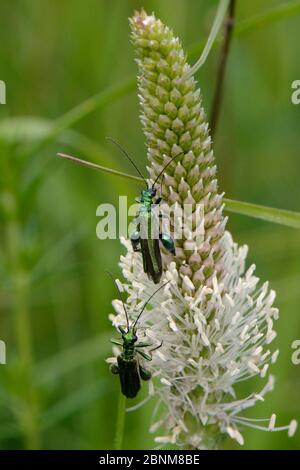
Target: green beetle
(128, 365)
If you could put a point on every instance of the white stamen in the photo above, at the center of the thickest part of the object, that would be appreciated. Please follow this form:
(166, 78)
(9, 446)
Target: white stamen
(272, 422)
(292, 428)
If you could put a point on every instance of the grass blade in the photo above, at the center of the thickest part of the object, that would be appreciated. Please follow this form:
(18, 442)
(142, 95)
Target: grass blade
(219, 18)
(94, 166)
(270, 16)
(269, 214)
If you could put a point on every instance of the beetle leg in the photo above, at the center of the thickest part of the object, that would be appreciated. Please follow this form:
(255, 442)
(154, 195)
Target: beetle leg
(115, 341)
(144, 355)
(143, 345)
(168, 243)
(156, 347)
(135, 241)
(114, 369)
(144, 373)
(158, 201)
(148, 357)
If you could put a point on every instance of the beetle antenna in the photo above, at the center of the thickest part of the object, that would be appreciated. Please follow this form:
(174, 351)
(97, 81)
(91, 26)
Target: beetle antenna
(164, 168)
(161, 184)
(146, 303)
(127, 156)
(121, 297)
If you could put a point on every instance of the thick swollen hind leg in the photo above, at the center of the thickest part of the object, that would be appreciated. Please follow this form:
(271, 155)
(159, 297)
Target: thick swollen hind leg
(136, 241)
(168, 243)
(114, 369)
(145, 374)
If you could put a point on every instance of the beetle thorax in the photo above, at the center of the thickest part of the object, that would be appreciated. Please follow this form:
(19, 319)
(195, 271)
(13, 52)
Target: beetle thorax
(147, 197)
(129, 340)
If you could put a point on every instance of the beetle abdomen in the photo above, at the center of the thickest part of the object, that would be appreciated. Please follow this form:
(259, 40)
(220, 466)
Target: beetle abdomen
(152, 259)
(129, 376)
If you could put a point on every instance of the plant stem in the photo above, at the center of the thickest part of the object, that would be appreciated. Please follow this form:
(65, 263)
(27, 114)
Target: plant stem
(28, 413)
(278, 13)
(94, 166)
(120, 422)
(28, 418)
(218, 95)
(221, 12)
(269, 214)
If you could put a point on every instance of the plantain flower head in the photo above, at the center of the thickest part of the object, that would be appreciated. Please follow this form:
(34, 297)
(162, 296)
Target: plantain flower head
(215, 318)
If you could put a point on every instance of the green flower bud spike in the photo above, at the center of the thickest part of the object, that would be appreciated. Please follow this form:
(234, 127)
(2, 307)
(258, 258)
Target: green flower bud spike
(174, 122)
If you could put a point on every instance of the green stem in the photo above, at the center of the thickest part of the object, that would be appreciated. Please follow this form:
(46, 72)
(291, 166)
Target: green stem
(28, 413)
(101, 168)
(269, 16)
(28, 416)
(120, 422)
(269, 214)
(223, 59)
(220, 15)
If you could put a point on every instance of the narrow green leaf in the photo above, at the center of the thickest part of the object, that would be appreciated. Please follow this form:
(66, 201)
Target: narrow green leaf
(269, 214)
(101, 168)
(219, 18)
(270, 16)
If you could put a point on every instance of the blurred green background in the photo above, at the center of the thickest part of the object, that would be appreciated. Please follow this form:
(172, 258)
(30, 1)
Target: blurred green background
(56, 391)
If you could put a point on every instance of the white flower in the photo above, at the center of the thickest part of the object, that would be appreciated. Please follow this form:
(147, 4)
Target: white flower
(213, 338)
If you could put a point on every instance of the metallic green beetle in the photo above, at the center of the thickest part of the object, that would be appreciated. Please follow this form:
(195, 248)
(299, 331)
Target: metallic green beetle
(128, 366)
(145, 239)
(147, 236)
